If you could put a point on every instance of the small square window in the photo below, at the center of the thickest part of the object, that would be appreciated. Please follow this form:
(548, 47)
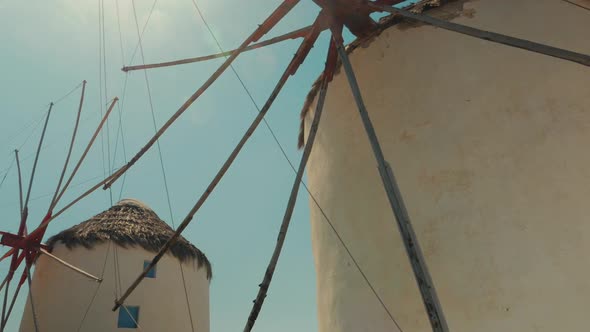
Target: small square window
(152, 272)
(128, 317)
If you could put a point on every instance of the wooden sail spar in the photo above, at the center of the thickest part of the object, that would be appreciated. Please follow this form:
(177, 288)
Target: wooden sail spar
(264, 286)
(300, 33)
(27, 246)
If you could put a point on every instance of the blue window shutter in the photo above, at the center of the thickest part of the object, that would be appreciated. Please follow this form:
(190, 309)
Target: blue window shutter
(152, 272)
(128, 317)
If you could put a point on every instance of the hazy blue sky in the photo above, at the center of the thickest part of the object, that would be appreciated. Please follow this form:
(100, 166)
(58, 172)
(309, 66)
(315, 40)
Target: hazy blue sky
(48, 47)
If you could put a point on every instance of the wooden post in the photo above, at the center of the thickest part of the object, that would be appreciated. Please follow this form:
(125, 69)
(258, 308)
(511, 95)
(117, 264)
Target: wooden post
(63, 172)
(98, 129)
(300, 33)
(49, 217)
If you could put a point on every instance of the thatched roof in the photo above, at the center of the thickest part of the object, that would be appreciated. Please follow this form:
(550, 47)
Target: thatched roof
(129, 223)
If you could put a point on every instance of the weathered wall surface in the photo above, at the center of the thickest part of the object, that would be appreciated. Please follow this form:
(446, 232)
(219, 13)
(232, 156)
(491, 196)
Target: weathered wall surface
(62, 296)
(490, 148)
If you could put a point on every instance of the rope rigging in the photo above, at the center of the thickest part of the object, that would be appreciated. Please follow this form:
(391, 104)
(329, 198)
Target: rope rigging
(74, 185)
(120, 130)
(85, 153)
(103, 93)
(6, 174)
(162, 168)
(27, 253)
(50, 144)
(262, 29)
(100, 86)
(265, 27)
(120, 106)
(36, 121)
(424, 281)
(104, 265)
(293, 64)
(9, 277)
(301, 33)
(142, 31)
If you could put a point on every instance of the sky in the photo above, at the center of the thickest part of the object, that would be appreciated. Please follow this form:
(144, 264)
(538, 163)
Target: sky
(49, 47)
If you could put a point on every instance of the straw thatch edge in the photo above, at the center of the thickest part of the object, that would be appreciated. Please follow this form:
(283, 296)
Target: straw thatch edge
(130, 225)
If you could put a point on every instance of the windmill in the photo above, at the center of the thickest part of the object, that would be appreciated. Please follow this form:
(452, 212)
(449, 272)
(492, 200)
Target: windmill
(333, 17)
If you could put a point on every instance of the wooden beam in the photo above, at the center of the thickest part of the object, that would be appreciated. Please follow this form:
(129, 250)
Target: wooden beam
(528, 45)
(39, 231)
(300, 33)
(263, 287)
(70, 266)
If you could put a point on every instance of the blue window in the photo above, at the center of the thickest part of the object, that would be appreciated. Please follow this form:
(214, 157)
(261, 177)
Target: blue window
(152, 272)
(128, 317)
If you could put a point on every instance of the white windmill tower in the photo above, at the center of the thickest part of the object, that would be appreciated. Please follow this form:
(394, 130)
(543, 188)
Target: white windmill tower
(116, 245)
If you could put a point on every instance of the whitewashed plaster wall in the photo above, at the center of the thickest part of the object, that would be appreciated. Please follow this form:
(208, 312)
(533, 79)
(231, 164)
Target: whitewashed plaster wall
(61, 296)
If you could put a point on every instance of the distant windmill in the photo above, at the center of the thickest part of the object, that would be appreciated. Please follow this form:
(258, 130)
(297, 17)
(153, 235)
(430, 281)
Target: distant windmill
(116, 245)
